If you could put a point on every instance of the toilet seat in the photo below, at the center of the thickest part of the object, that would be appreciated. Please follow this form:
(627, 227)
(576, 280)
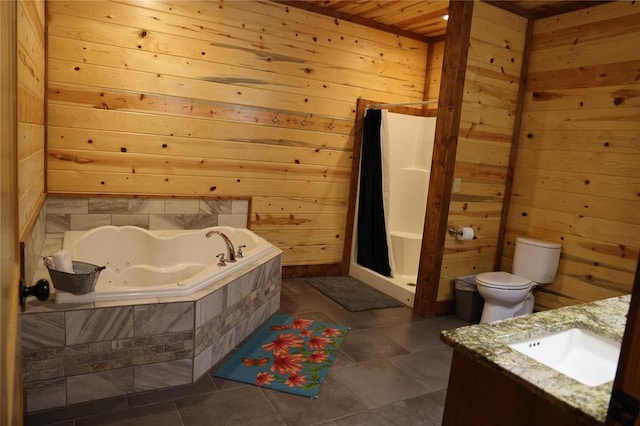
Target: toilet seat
(502, 280)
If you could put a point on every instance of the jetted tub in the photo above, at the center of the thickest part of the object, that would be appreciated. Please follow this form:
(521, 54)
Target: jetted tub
(143, 264)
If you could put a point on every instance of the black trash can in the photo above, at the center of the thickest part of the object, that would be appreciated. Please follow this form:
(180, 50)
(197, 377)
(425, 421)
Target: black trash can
(468, 301)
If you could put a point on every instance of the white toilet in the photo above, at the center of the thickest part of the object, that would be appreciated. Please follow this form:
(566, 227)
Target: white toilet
(509, 295)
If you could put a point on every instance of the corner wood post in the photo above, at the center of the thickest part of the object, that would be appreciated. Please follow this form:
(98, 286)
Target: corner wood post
(444, 156)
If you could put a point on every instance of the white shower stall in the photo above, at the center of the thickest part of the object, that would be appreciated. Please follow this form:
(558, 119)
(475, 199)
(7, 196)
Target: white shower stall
(406, 147)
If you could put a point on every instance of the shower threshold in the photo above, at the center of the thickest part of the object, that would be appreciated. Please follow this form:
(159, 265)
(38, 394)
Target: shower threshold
(398, 287)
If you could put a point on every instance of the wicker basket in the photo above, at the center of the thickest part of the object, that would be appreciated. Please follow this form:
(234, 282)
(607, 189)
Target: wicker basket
(82, 282)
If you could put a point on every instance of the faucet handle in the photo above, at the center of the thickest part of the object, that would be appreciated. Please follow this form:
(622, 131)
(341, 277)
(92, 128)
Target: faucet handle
(222, 261)
(239, 254)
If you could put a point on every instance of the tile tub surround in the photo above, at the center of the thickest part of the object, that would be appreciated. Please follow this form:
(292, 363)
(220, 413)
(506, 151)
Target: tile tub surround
(82, 214)
(75, 353)
(487, 344)
(60, 214)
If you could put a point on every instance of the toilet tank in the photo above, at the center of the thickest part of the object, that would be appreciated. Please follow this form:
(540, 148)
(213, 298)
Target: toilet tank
(536, 260)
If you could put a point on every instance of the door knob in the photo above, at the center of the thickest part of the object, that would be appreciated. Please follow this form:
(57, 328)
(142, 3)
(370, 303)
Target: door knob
(40, 290)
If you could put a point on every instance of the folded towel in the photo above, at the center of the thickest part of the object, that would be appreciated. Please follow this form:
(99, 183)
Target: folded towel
(62, 262)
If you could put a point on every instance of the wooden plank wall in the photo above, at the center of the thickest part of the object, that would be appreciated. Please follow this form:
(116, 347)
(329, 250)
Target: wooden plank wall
(220, 99)
(492, 82)
(31, 115)
(577, 177)
(434, 72)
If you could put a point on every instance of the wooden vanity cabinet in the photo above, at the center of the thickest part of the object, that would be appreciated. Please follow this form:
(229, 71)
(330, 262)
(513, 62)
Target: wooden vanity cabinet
(480, 396)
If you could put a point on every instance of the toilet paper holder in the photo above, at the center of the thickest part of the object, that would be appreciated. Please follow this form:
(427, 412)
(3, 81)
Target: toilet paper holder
(454, 231)
(463, 233)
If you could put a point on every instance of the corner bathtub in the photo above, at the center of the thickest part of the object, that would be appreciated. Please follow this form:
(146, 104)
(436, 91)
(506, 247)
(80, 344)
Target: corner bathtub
(145, 264)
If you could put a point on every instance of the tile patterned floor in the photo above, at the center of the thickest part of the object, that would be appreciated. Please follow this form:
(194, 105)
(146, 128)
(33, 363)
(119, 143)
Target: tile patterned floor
(391, 370)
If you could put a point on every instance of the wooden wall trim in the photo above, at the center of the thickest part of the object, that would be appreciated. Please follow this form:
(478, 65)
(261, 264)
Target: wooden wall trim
(299, 271)
(627, 379)
(513, 154)
(427, 74)
(46, 102)
(361, 106)
(11, 401)
(444, 307)
(33, 219)
(444, 155)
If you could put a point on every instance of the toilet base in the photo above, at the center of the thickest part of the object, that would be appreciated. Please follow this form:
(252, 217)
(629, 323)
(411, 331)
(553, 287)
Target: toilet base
(494, 312)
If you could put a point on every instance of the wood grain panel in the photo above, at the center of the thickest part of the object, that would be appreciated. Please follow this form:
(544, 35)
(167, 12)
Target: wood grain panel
(600, 119)
(483, 152)
(592, 141)
(30, 31)
(248, 150)
(29, 169)
(581, 182)
(293, 237)
(444, 153)
(165, 104)
(153, 82)
(487, 121)
(298, 221)
(424, 18)
(435, 71)
(271, 205)
(579, 161)
(192, 166)
(452, 268)
(30, 139)
(179, 126)
(327, 83)
(352, 36)
(577, 178)
(31, 107)
(248, 99)
(577, 224)
(86, 182)
(594, 98)
(587, 49)
(606, 74)
(616, 210)
(588, 249)
(11, 366)
(284, 58)
(311, 255)
(469, 249)
(596, 274)
(473, 171)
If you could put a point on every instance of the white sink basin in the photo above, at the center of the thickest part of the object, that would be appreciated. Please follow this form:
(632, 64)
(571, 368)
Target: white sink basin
(578, 353)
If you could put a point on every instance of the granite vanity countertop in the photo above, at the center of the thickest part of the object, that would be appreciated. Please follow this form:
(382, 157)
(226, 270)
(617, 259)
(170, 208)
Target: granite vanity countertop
(487, 344)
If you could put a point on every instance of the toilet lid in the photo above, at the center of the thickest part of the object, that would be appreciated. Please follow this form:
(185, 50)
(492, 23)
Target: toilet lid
(502, 280)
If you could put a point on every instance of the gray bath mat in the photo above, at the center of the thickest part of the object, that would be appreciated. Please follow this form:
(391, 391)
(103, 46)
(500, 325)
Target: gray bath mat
(352, 294)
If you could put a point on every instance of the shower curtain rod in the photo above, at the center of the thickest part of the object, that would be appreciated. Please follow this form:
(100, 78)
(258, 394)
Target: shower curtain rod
(378, 106)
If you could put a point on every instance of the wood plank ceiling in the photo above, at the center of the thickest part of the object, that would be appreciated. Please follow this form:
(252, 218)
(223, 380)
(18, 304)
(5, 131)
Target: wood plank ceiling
(424, 19)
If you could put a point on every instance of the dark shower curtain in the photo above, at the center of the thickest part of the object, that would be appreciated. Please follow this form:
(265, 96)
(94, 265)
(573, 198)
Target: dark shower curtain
(372, 249)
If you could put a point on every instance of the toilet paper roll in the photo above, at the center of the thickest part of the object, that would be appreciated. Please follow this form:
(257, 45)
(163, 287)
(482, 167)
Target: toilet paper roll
(62, 262)
(465, 233)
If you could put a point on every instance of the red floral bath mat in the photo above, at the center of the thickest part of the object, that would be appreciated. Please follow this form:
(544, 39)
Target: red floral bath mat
(288, 354)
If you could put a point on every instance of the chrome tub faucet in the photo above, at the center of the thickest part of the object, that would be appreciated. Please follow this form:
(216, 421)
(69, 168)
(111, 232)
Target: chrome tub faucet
(231, 251)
